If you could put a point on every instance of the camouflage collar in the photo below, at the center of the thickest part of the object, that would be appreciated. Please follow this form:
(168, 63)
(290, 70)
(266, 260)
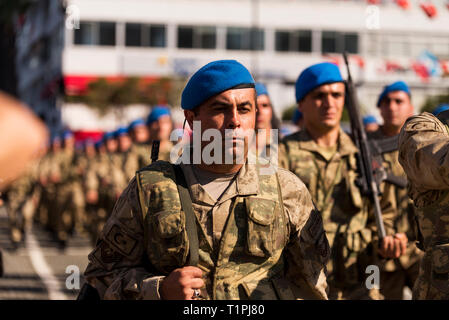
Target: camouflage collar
(246, 183)
(345, 144)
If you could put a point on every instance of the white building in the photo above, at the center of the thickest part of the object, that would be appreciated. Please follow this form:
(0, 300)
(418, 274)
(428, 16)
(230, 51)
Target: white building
(176, 37)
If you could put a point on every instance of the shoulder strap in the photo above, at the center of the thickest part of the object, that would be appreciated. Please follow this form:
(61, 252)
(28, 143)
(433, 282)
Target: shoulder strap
(187, 207)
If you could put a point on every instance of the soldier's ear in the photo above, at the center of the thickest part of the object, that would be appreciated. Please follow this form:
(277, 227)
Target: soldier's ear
(299, 106)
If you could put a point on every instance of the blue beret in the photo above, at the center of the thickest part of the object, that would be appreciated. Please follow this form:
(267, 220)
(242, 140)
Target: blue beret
(157, 112)
(396, 86)
(67, 134)
(369, 119)
(212, 79)
(120, 132)
(55, 138)
(440, 108)
(261, 89)
(315, 76)
(136, 123)
(98, 143)
(108, 135)
(297, 115)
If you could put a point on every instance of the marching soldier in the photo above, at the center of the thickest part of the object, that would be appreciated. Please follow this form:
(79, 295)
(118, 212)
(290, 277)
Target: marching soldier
(160, 125)
(266, 121)
(230, 233)
(323, 156)
(424, 156)
(395, 107)
(105, 180)
(139, 154)
(68, 192)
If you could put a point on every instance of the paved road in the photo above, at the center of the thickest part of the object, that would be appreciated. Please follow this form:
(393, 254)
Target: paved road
(37, 270)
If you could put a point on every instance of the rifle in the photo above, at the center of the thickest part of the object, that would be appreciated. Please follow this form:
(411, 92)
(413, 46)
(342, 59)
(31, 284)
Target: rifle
(155, 151)
(366, 181)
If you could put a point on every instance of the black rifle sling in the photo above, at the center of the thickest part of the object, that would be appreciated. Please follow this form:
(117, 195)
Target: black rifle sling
(186, 204)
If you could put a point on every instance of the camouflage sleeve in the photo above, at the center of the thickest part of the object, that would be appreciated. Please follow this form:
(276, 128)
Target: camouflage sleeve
(308, 249)
(91, 182)
(117, 267)
(283, 156)
(424, 152)
(131, 164)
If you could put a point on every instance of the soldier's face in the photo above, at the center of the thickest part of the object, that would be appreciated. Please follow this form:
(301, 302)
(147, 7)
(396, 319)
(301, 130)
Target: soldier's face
(322, 108)
(395, 108)
(111, 145)
(141, 134)
(161, 129)
(124, 142)
(264, 112)
(230, 111)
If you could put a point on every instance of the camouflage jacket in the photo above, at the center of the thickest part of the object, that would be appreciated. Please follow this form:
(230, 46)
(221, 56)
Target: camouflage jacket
(105, 174)
(404, 220)
(348, 217)
(284, 256)
(137, 157)
(424, 155)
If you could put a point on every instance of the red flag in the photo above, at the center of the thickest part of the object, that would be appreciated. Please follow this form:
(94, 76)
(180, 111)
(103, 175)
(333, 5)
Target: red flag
(404, 4)
(429, 9)
(374, 1)
(421, 70)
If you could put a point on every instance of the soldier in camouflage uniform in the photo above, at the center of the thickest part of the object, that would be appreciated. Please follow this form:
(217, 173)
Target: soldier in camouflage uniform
(266, 121)
(323, 156)
(105, 180)
(395, 107)
(424, 154)
(139, 154)
(82, 163)
(20, 204)
(68, 195)
(259, 235)
(160, 126)
(124, 149)
(49, 176)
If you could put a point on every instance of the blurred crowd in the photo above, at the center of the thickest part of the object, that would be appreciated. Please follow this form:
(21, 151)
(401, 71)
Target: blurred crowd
(72, 188)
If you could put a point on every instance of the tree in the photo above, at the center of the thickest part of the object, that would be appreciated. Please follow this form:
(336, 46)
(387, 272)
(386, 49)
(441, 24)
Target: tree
(104, 95)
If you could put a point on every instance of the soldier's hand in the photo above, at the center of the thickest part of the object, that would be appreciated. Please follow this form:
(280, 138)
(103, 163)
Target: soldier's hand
(180, 283)
(403, 240)
(55, 178)
(92, 197)
(391, 247)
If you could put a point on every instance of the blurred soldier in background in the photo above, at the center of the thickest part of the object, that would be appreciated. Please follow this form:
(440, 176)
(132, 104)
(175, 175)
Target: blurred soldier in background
(68, 191)
(160, 126)
(298, 119)
(49, 177)
(370, 123)
(424, 155)
(139, 154)
(440, 108)
(266, 120)
(20, 206)
(104, 183)
(395, 107)
(324, 157)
